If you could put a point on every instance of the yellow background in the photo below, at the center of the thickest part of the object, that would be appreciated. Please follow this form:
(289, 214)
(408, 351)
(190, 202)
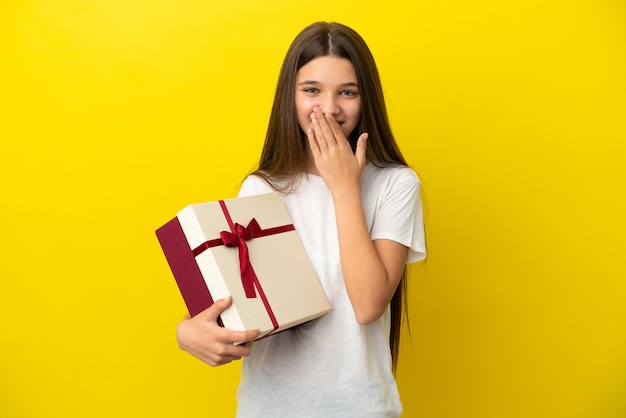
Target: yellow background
(115, 114)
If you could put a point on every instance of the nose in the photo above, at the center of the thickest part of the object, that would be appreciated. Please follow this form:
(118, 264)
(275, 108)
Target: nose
(329, 104)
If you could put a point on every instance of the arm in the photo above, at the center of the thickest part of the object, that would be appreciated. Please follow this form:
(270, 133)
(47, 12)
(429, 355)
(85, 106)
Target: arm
(203, 338)
(371, 269)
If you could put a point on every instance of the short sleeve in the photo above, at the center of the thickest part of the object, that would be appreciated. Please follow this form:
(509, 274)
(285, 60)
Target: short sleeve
(399, 214)
(253, 185)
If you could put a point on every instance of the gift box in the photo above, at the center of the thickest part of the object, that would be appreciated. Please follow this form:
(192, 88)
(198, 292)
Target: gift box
(246, 248)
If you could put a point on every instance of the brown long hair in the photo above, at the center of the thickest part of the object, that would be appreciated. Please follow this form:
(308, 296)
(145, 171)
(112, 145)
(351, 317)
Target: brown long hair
(284, 154)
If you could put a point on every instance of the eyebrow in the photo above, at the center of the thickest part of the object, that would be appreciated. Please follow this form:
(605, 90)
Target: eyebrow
(349, 84)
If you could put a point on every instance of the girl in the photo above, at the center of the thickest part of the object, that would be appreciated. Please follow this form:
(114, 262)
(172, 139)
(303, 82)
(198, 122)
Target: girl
(356, 206)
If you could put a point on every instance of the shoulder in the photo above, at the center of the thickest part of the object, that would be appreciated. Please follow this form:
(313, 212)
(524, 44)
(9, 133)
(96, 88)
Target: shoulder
(390, 176)
(252, 185)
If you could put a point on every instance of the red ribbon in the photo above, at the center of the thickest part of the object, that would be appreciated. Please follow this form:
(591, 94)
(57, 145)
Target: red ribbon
(237, 237)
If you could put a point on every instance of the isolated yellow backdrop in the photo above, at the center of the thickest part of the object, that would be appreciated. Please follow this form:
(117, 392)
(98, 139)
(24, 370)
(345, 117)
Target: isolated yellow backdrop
(116, 114)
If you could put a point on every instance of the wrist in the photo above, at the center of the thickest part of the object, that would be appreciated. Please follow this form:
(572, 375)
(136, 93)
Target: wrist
(346, 192)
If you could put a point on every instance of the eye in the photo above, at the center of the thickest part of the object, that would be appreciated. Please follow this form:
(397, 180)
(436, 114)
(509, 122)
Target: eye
(349, 93)
(310, 90)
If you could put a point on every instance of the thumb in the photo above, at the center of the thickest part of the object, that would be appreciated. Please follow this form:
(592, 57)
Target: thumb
(213, 312)
(361, 147)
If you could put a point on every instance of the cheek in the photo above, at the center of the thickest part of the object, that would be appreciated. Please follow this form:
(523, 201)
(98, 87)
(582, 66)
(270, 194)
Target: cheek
(304, 117)
(304, 108)
(355, 116)
(302, 100)
(356, 109)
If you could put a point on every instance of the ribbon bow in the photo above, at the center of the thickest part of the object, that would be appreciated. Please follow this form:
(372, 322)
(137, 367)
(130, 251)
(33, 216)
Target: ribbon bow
(238, 239)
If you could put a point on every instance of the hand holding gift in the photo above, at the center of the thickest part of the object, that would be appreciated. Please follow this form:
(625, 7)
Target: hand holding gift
(202, 336)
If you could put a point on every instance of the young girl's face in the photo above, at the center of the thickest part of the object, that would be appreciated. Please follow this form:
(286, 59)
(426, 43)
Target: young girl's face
(329, 83)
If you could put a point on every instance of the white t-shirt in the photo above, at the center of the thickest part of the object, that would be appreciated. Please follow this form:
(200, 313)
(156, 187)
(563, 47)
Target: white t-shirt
(332, 366)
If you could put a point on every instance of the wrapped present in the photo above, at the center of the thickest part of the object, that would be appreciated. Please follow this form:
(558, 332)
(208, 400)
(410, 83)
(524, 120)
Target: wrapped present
(246, 248)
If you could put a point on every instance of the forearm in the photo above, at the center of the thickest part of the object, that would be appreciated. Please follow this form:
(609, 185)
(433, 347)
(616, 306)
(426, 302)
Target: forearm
(366, 278)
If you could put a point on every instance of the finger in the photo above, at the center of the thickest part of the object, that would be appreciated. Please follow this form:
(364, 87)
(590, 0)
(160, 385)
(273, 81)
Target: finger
(243, 350)
(222, 362)
(231, 337)
(226, 352)
(227, 358)
(217, 360)
(325, 128)
(315, 148)
(213, 312)
(227, 335)
(361, 149)
(335, 129)
(320, 139)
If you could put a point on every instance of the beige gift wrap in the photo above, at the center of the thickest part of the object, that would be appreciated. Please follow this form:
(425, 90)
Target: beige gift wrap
(246, 248)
